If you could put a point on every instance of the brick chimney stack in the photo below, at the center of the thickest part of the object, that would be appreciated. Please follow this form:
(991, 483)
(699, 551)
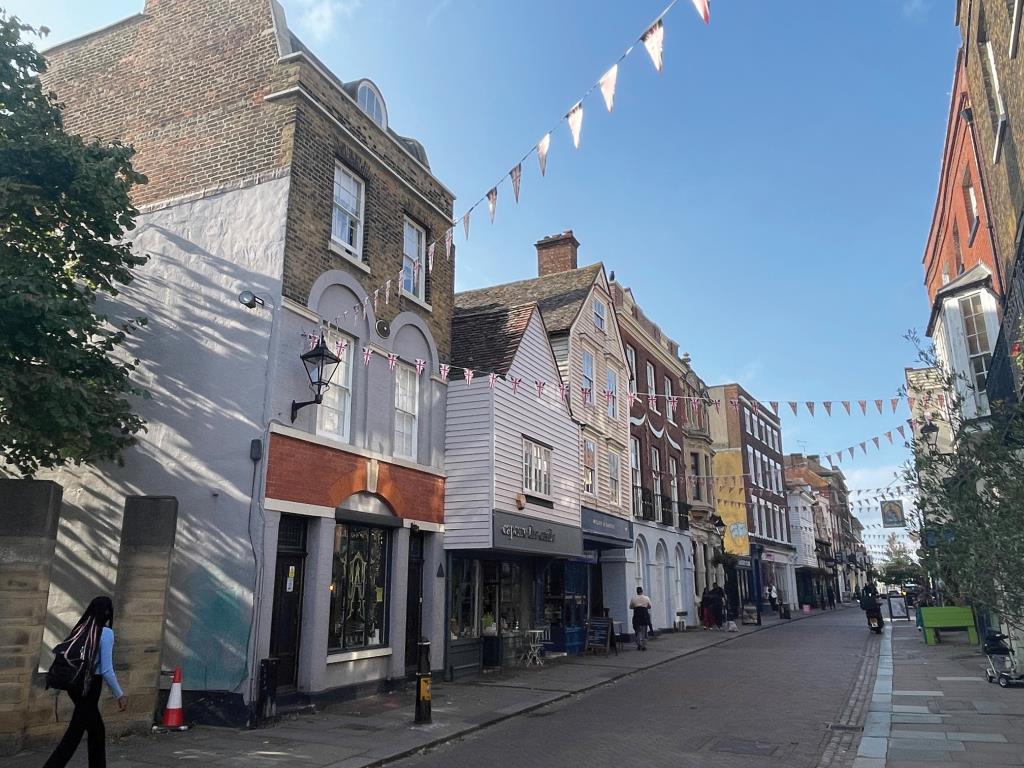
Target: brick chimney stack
(557, 253)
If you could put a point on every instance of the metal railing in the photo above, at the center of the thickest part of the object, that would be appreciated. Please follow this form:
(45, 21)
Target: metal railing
(643, 503)
(668, 511)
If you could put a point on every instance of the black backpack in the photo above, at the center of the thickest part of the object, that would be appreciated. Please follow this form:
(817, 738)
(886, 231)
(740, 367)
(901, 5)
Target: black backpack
(69, 670)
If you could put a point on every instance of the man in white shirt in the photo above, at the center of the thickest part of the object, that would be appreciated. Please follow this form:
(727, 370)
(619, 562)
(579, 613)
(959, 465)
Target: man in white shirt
(641, 607)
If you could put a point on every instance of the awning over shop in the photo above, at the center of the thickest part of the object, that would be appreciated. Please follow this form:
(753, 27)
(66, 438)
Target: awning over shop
(604, 531)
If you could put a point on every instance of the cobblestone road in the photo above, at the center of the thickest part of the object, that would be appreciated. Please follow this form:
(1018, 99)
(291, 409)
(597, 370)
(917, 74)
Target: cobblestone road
(763, 700)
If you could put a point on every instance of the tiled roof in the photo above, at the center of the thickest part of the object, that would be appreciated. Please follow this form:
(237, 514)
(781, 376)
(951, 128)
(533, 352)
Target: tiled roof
(487, 340)
(559, 296)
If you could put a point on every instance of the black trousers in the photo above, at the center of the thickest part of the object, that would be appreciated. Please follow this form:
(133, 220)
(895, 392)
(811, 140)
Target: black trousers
(85, 720)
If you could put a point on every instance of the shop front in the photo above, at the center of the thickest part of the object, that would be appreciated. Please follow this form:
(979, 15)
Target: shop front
(607, 543)
(531, 585)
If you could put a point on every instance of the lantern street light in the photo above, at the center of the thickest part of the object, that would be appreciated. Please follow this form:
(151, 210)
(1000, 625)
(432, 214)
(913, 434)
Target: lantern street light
(719, 526)
(320, 365)
(930, 433)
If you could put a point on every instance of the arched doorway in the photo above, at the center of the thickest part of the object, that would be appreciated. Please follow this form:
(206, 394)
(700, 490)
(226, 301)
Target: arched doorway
(661, 578)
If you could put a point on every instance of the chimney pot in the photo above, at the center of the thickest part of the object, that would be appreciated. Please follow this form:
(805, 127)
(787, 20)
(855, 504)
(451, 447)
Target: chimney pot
(557, 253)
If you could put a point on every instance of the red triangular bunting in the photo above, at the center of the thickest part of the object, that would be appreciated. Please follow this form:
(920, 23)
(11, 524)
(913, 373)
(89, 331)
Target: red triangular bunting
(703, 10)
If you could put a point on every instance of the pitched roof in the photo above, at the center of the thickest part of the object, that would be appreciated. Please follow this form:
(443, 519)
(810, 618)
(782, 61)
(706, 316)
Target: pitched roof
(488, 340)
(559, 296)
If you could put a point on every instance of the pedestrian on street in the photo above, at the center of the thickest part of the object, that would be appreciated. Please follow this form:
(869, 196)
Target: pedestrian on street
(641, 607)
(707, 619)
(95, 631)
(717, 601)
(831, 598)
(773, 596)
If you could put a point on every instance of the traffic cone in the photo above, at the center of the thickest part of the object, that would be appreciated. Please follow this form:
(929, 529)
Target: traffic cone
(174, 715)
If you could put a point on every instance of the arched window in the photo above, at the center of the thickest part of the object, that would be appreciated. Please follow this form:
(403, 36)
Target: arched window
(372, 104)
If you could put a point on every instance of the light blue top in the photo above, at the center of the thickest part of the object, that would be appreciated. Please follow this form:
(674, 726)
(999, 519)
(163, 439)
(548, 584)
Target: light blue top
(105, 662)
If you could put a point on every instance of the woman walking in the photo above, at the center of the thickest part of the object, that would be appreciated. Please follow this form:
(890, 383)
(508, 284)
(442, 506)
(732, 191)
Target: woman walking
(96, 628)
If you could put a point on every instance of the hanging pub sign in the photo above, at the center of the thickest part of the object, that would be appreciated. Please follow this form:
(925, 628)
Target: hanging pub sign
(892, 514)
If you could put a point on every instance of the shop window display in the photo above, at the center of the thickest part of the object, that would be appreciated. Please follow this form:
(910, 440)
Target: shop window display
(358, 588)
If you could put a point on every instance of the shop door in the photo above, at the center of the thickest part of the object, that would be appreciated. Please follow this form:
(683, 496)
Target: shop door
(287, 611)
(414, 603)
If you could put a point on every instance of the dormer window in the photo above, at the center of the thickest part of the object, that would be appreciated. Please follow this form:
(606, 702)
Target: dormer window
(372, 104)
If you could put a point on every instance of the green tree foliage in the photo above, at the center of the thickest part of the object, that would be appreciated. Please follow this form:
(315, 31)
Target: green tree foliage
(65, 207)
(970, 508)
(899, 567)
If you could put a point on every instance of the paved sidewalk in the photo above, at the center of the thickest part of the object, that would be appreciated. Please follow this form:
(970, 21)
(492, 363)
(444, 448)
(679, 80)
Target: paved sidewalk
(932, 706)
(379, 729)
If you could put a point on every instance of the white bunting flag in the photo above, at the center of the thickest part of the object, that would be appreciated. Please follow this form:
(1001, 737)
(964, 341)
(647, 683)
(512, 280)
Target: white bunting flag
(467, 374)
(516, 174)
(492, 202)
(575, 118)
(430, 258)
(443, 369)
(376, 298)
(542, 152)
(465, 222)
(448, 245)
(654, 42)
(608, 86)
(387, 292)
(703, 10)
(492, 379)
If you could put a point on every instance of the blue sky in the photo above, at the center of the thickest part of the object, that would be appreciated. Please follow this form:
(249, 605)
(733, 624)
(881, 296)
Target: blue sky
(767, 197)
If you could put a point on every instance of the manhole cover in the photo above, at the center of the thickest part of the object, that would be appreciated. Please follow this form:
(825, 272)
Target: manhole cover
(738, 747)
(841, 727)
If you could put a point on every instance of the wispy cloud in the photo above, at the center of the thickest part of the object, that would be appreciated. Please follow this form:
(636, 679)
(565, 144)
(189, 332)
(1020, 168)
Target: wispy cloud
(319, 18)
(914, 8)
(746, 376)
(436, 11)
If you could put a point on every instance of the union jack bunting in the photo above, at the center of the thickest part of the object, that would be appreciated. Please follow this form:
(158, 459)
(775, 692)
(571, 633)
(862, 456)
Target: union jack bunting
(734, 403)
(492, 379)
(585, 392)
(540, 388)
(608, 396)
(894, 402)
(444, 369)
(673, 403)
(846, 405)
(878, 405)
(718, 405)
(775, 407)
(827, 404)
(367, 354)
(420, 365)
(514, 382)
(652, 402)
(392, 361)
(633, 398)
(467, 374)
(563, 392)
(339, 349)
(516, 174)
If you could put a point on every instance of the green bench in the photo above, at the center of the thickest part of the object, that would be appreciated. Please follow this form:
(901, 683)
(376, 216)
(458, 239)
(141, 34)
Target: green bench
(948, 618)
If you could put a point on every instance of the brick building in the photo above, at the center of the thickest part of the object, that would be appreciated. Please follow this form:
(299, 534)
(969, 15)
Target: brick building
(748, 462)
(991, 32)
(300, 536)
(670, 467)
(962, 274)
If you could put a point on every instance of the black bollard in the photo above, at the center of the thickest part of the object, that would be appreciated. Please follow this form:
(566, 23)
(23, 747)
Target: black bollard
(423, 682)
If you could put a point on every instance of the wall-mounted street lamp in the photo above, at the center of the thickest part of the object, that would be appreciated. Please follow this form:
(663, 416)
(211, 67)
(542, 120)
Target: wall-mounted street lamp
(930, 433)
(320, 364)
(719, 526)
